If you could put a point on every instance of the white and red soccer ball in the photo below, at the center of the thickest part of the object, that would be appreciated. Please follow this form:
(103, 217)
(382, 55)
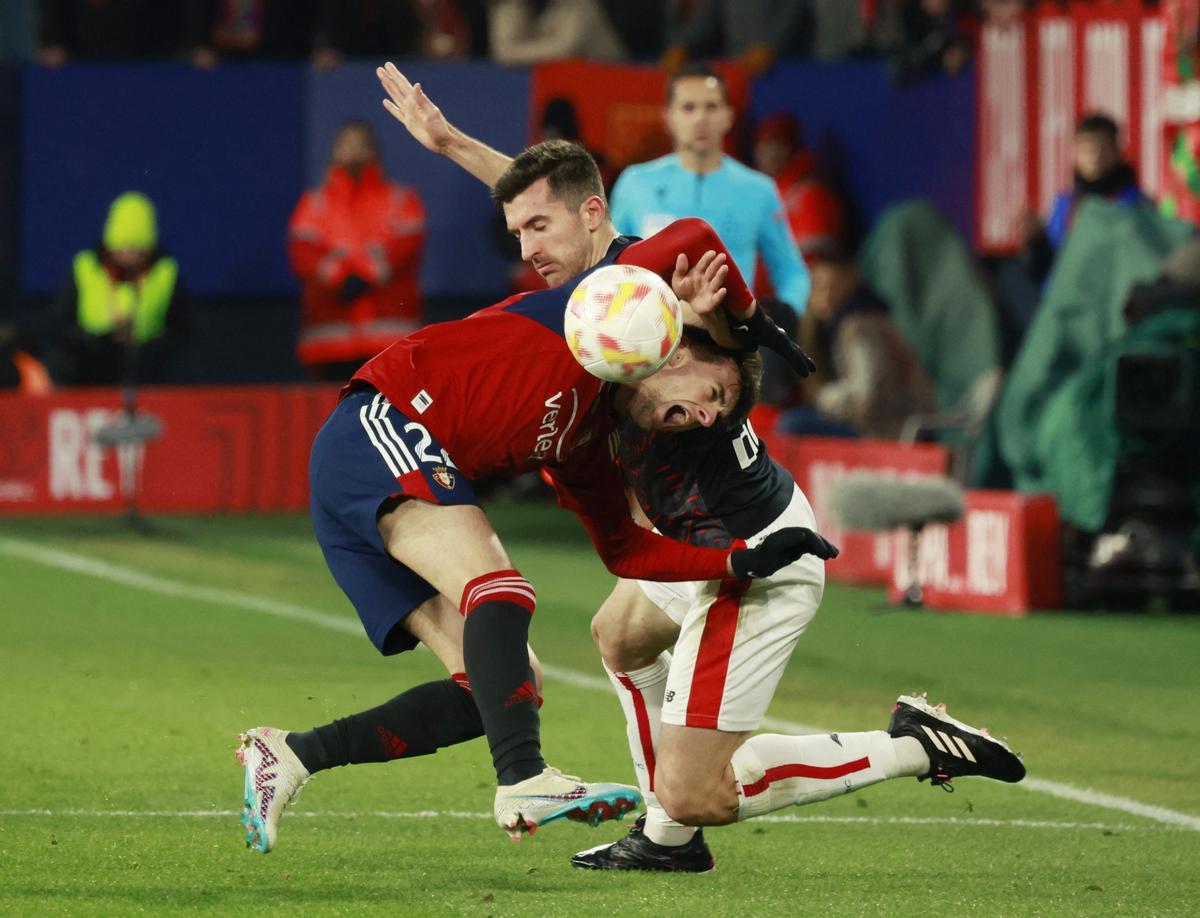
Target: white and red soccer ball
(623, 323)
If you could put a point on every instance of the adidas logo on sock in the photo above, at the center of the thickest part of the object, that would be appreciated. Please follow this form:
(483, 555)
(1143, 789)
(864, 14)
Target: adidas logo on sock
(525, 693)
(392, 744)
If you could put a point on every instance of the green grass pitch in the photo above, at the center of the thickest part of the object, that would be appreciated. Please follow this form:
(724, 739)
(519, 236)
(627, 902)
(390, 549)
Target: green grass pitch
(128, 664)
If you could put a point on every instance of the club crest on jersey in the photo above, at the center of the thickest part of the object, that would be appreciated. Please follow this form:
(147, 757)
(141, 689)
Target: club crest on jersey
(443, 476)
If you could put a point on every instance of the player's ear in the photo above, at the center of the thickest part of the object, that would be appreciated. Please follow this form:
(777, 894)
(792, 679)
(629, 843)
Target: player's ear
(595, 211)
(683, 353)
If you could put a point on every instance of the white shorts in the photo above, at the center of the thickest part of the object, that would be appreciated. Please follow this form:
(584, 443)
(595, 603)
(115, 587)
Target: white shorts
(735, 639)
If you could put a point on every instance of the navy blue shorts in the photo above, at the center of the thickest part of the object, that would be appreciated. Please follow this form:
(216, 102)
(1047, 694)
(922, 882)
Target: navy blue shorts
(364, 454)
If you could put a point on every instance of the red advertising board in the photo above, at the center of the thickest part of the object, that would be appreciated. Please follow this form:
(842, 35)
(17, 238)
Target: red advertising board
(819, 463)
(221, 450)
(231, 450)
(1002, 557)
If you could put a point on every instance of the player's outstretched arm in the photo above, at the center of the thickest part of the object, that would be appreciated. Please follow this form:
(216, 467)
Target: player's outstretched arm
(409, 105)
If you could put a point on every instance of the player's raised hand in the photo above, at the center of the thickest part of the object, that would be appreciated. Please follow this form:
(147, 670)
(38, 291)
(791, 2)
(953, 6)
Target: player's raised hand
(409, 105)
(702, 285)
(777, 551)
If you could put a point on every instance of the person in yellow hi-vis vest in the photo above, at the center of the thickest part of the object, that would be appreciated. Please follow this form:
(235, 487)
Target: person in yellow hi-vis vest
(120, 313)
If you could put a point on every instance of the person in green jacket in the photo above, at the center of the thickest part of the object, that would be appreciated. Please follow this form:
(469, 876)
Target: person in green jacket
(120, 313)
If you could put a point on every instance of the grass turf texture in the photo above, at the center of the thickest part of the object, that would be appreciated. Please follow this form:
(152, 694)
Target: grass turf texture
(117, 700)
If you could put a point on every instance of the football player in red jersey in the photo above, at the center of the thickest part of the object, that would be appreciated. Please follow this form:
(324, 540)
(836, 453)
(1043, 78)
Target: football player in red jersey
(497, 394)
(690, 714)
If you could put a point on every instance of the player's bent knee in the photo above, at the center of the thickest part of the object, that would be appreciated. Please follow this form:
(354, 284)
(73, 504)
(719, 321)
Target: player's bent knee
(623, 649)
(686, 804)
(692, 787)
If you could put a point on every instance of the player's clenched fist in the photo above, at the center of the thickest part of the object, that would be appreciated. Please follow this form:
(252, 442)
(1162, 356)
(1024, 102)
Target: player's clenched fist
(778, 550)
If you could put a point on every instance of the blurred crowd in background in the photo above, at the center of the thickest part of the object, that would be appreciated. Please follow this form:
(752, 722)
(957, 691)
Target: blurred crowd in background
(919, 36)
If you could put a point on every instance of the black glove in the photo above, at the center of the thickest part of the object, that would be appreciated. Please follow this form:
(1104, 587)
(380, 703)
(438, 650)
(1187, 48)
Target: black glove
(760, 329)
(778, 550)
(352, 288)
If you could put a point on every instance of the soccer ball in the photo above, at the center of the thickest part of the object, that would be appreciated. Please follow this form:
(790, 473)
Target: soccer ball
(622, 323)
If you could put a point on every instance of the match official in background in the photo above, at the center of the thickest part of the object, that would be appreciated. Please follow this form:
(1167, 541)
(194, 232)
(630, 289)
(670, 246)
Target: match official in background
(699, 180)
(355, 242)
(120, 314)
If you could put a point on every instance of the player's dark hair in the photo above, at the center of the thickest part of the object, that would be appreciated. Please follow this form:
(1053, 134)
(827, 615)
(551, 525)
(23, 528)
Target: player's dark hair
(749, 366)
(1098, 123)
(569, 169)
(697, 70)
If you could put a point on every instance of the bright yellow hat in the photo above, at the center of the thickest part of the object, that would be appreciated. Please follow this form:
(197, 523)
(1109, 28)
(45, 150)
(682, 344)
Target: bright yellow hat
(132, 223)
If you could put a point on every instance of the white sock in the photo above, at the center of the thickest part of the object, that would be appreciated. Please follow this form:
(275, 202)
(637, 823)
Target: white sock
(663, 830)
(641, 695)
(775, 771)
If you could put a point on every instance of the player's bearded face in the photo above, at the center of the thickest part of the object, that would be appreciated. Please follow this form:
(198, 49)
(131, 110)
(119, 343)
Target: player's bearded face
(687, 393)
(554, 237)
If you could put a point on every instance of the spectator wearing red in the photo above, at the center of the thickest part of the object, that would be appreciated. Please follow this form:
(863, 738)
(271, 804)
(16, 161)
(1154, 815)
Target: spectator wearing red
(20, 371)
(814, 211)
(355, 242)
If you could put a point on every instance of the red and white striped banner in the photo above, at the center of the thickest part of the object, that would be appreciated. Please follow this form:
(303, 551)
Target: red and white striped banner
(1036, 77)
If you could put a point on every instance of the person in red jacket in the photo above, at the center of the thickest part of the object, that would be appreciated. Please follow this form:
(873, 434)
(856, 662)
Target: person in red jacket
(355, 242)
(814, 212)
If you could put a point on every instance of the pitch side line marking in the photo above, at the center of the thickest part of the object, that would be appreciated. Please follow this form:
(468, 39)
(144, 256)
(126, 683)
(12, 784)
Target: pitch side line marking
(94, 567)
(460, 814)
(1110, 802)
